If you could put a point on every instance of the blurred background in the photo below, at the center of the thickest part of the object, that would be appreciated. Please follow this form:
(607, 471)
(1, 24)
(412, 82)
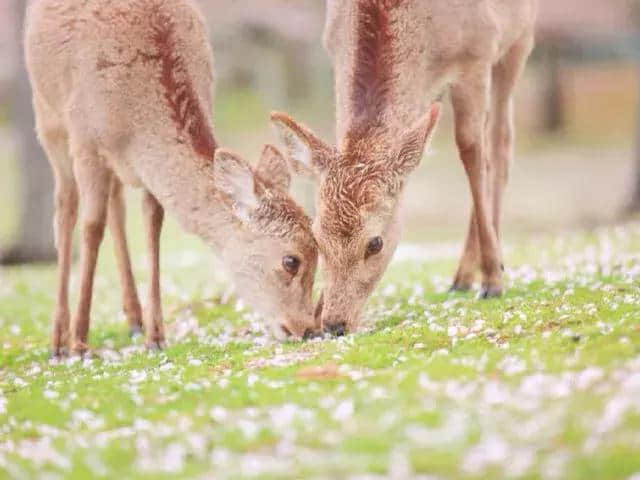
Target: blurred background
(578, 122)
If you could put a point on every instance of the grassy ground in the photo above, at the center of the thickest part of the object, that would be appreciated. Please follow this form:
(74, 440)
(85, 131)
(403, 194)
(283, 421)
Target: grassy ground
(544, 383)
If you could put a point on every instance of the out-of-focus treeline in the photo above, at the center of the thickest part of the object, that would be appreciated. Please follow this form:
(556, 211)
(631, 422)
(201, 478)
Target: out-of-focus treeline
(577, 110)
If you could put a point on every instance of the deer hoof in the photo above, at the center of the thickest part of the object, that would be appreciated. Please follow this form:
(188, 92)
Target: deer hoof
(459, 287)
(58, 353)
(155, 346)
(79, 348)
(487, 292)
(135, 331)
(82, 356)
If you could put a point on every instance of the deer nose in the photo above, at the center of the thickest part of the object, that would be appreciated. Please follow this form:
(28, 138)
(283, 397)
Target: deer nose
(337, 329)
(310, 334)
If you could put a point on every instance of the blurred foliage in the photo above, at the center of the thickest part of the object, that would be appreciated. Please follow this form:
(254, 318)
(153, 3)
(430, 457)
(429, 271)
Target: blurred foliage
(239, 109)
(266, 61)
(8, 196)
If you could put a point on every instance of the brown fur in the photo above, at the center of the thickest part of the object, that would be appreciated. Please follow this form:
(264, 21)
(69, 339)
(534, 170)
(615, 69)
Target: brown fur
(122, 91)
(179, 91)
(392, 60)
(373, 70)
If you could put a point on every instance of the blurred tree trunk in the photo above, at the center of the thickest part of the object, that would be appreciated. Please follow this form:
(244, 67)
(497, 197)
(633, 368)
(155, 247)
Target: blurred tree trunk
(296, 71)
(34, 242)
(554, 115)
(634, 205)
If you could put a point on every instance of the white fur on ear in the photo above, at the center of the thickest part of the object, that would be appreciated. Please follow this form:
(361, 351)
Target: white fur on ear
(234, 177)
(306, 153)
(300, 154)
(273, 168)
(413, 144)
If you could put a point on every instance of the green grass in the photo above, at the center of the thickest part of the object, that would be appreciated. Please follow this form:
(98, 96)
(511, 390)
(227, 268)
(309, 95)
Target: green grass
(544, 383)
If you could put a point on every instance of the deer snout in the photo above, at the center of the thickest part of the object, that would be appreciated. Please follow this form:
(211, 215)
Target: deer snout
(298, 330)
(333, 318)
(336, 327)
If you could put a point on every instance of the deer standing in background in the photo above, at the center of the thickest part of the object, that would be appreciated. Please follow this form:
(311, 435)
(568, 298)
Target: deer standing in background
(392, 59)
(122, 94)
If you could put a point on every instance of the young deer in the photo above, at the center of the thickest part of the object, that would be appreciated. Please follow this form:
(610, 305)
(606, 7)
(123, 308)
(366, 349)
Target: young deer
(392, 58)
(122, 92)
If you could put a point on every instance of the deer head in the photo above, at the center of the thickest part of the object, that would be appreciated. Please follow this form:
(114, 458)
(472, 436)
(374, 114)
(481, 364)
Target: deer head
(273, 255)
(358, 221)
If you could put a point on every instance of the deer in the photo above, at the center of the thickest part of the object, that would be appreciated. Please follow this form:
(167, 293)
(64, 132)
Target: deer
(394, 60)
(122, 91)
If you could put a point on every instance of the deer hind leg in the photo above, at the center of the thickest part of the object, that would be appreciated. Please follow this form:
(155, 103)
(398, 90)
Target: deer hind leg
(470, 98)
(154, 216)
(117, 221)
(56, 147)
(94, 181)
(501, 131)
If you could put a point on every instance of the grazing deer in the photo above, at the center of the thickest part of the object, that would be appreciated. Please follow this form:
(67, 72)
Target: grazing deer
(392, 59)
(122, 92)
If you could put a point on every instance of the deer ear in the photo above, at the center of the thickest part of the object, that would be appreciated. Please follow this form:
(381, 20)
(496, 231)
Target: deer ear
(414, 142)
(273, 168)
(306, 153)
(234, 177)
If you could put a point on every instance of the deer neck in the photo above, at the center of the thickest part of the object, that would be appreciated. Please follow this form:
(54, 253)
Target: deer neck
(182, 179)
(378, 93)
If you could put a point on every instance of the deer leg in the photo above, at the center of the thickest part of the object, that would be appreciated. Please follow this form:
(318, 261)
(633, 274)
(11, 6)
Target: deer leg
(117, 220)
(505, 76)
(94, 181)
(471, 256)
(470, 98)
(65, 216)
(463, 281)
(154, 216)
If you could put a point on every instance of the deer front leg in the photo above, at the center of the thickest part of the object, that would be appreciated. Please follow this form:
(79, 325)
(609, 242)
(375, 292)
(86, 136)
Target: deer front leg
(502, 132)
(463, 281)
(470, 99)
(117, 221)
(154, 216)
(94, 182)
(66, 214)
(65, 217)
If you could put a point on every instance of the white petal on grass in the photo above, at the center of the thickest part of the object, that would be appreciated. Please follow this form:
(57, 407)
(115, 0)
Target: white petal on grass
(283, 417)
(554, 467)
(586, 378)
(521, 461)
(512, 365)
(251, 380)
(399, 464)
(454, 430)
(18, 382)
(50, 394)
(219, 414)
(343, 411)
(137, 376)
(249, 429)
(491, 451)
(42, 452)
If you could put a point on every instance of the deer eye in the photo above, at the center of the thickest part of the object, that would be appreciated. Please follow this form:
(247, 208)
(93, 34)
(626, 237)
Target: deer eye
(374, 246)
(291, 264)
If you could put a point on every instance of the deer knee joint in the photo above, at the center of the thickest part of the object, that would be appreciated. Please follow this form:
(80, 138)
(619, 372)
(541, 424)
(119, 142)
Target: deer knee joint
(470, 152)
(94, 231)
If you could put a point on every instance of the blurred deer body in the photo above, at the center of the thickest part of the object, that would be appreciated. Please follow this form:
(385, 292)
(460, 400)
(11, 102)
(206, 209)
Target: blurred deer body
(392, 59)
(122, 91)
